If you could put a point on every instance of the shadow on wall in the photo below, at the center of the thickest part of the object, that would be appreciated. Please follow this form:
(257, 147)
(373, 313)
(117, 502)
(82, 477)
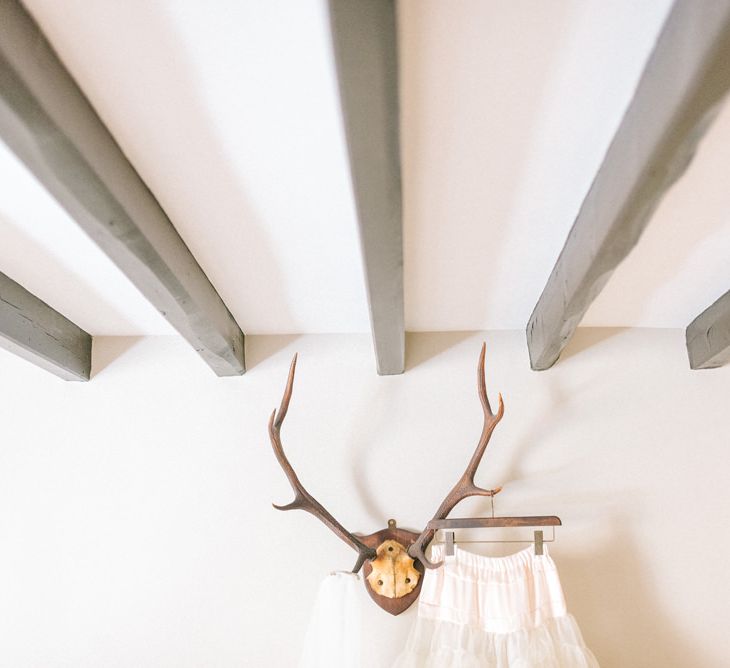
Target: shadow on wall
(371, 423)
(587, 337)
(108, 349)
(260, 348)
(424, 346)
(537, 430)
(613, 602)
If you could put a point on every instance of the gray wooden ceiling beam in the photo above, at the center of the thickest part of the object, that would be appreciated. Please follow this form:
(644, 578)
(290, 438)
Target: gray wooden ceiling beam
(679, 93)
(34, 331)
(708, 336)
(47, 121)
(366, 56)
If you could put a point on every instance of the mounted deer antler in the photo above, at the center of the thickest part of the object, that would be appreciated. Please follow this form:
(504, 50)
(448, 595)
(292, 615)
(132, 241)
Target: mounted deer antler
(303, 500)
(465, 487)
(393, 578)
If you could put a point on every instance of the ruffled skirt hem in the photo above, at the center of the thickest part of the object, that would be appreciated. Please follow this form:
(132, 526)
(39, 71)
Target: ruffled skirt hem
(557, 643)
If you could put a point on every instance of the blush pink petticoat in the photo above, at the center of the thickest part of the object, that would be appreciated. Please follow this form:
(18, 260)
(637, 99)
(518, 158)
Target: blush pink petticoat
(494, 612)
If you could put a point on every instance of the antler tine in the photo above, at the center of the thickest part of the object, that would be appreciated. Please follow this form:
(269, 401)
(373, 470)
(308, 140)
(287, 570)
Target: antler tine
(490, 422)
(303, 500)
(465, 487)
(284, 405)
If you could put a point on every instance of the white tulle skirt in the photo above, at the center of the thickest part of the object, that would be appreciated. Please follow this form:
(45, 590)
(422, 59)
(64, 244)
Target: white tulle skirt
(494, 612)
(334, 636)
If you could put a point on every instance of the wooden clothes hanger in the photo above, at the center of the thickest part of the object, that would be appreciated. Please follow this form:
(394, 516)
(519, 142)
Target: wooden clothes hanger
(493, 523)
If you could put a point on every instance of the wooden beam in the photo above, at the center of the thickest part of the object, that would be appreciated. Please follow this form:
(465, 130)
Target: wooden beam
(679, 93)
(366, 54)
(34, 331)
(49, 124)
(708, 336)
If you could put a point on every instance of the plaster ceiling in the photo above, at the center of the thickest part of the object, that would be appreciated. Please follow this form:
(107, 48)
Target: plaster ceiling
(230, 114)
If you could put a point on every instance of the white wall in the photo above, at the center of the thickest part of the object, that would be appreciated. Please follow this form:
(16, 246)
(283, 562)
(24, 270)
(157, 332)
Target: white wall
(135, 520)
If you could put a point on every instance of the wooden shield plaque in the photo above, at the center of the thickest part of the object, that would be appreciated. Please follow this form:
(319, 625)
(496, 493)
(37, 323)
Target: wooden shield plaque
(392, 562)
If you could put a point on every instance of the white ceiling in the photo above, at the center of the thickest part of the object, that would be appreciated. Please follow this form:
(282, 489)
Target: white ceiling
(45, 251)
(229, 112)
